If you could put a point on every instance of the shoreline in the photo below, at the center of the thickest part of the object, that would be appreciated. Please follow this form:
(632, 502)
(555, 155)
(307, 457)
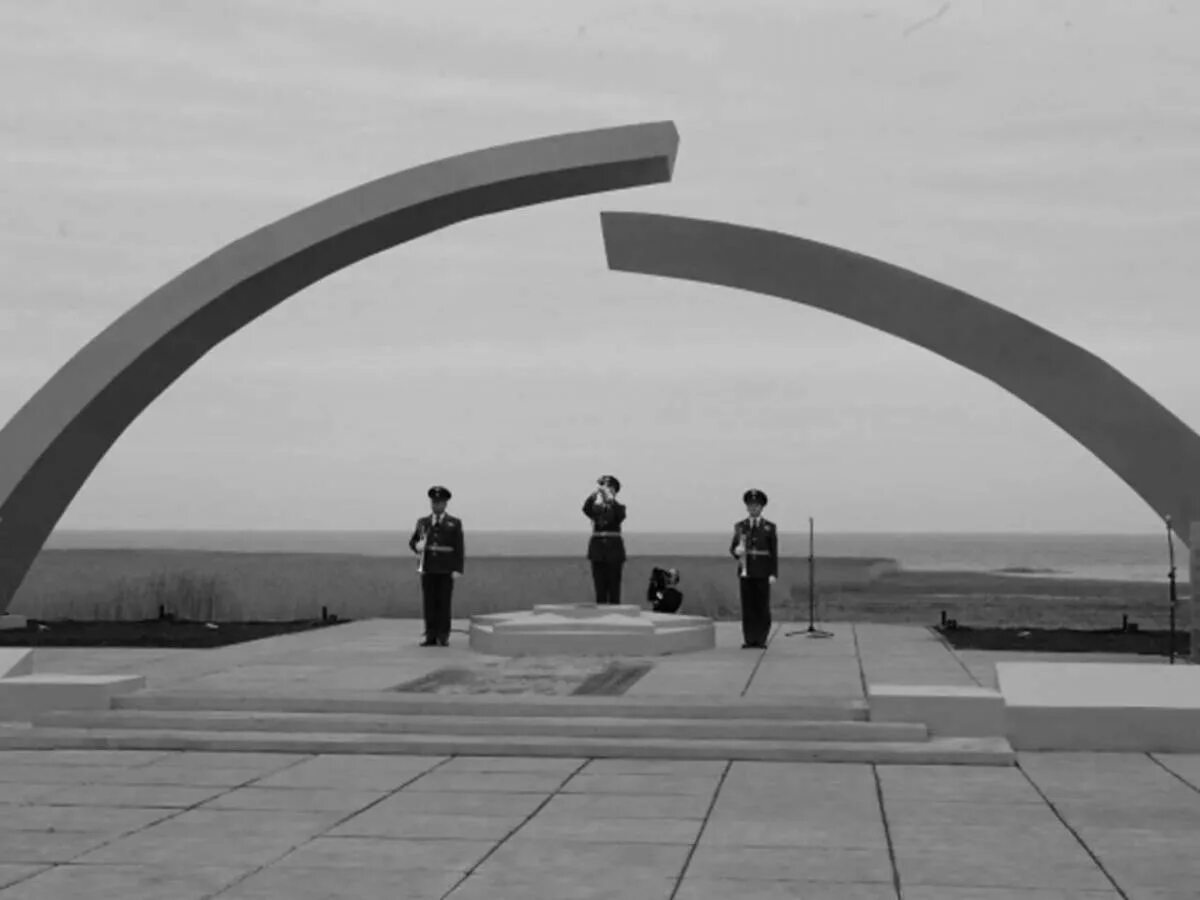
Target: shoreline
(107, 584)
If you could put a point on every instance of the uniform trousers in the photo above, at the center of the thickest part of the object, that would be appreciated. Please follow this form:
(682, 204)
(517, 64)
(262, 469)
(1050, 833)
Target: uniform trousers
(606, 576)
(756, 609)
(436, 590)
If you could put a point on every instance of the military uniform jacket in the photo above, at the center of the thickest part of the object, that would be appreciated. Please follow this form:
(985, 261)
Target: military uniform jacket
(762, 547)
(606, 543)
(443, 544)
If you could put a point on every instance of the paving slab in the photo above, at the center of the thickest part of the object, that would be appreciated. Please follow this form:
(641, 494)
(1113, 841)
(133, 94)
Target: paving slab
(356, 772)
(182, 776)
(959, 892)
(961, 784)
(805, 831)
(164, 845)
(11, 873)
(110, 758)
(703, 888)
(1185, 766)
(228, 821)
(451, 855)
(146, 795)
(98, 819)
(392, 823)
(617, 766)
(559, 886)
(995, 865)
(823, 864)
(500, 804)
(300, 883)
(25, 792)
(128, 882)
(541, 764)
(48, 847)
(956, 815)
(528, 857)
(299, 798)
(628, 806)
(476, 782)
(48, 773)
(261, 762)
(612, 830)
(641, 783)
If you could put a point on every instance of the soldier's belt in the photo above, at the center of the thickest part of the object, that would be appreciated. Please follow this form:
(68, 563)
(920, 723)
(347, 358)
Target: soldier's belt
(435, 548)
(758, 552)
(606, 534)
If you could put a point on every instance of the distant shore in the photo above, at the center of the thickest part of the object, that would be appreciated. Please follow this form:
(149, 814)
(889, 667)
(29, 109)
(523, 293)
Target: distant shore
(237, 587)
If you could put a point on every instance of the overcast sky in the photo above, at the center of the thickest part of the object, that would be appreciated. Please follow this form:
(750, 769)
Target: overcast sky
(1037, 153)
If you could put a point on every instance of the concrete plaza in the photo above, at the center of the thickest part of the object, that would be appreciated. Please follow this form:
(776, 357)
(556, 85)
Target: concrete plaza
(169, 824)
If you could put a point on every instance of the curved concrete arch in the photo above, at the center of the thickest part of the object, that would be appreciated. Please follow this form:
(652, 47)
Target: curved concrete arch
(1145, 444)
(54, 442)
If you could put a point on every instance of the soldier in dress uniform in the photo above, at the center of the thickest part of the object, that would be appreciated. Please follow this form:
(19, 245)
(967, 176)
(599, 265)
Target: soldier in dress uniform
(438, 541)
(606, 548)
(756, 547)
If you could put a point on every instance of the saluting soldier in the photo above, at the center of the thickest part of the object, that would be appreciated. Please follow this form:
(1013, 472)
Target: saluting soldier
(606, 547)
(438, 542)
(756, 547)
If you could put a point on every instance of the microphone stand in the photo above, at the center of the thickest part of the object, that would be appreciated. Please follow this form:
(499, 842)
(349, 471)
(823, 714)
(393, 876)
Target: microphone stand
(812, 631)
(1171, 582)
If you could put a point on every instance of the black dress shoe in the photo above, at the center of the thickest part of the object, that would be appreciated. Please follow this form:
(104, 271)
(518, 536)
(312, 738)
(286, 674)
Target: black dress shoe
(428, 643)
(443, 642)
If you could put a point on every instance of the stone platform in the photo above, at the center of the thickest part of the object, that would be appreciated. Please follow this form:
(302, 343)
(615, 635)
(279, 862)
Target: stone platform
(1101, 706)
(585, 629)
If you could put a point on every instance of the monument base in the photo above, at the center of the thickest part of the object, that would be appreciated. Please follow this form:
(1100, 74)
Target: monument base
(588, 629)
(12, 622)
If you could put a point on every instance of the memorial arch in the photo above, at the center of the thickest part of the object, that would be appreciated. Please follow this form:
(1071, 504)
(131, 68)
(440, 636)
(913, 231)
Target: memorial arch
(1145, 444)
(56, 440)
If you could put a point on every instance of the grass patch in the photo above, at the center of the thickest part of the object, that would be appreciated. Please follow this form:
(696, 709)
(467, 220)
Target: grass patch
(1067, 640)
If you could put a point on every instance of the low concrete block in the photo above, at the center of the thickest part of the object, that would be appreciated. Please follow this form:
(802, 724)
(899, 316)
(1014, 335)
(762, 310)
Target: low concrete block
(11, 621)
(25, 696)
(15, 661)
(1119, 707)
(584, 629)
(948, 710)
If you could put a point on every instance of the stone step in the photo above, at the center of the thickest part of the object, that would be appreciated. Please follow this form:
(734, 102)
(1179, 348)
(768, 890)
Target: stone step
(939, 751)
(807, 709)
(506, 726)
(24, 696)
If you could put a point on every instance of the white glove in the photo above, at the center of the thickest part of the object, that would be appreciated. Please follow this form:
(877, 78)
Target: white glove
(738, 551)
(771, 579)
(420, 545)
(454, 575)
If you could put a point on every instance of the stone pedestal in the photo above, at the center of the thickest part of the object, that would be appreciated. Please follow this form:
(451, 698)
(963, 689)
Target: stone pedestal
(586, 629)
(11, 621)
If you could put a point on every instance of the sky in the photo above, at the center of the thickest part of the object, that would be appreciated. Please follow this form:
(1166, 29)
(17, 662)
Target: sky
(1039, 154)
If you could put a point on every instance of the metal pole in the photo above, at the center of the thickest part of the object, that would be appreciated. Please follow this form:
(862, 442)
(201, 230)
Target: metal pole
(812, 591)
(812, 631)
(1171, 583)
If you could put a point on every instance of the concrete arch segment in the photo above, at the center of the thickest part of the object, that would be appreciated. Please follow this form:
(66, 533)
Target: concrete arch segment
(1145, 444)
(55, 441)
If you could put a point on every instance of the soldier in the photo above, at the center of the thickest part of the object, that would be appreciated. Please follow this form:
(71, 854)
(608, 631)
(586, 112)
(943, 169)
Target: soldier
(438, 541)
(606, 548)
(756, 546)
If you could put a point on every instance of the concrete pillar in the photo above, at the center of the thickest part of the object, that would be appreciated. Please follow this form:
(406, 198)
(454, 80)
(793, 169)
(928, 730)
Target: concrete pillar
(1194, 587)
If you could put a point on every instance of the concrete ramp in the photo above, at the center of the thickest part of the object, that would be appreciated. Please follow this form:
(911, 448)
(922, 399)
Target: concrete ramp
(15, 661)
